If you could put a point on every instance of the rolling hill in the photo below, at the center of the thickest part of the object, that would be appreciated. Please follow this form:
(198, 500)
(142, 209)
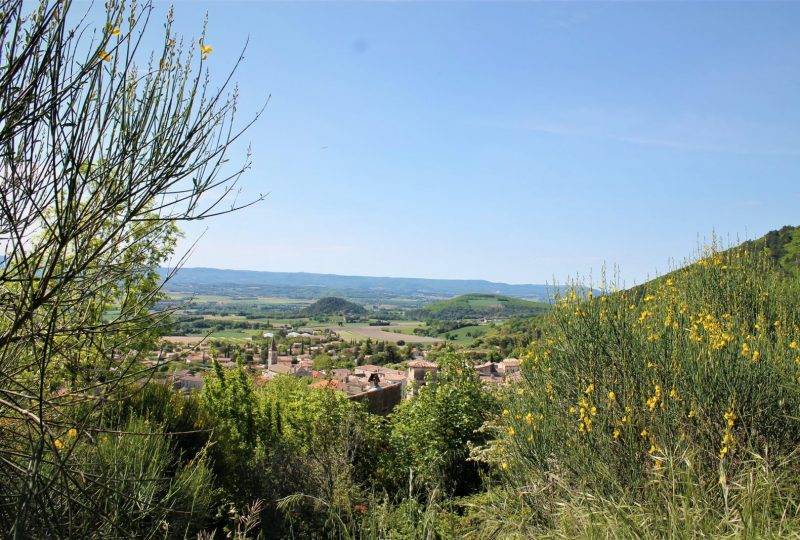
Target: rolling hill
(783, 246)
(333, 306)
(479, 306)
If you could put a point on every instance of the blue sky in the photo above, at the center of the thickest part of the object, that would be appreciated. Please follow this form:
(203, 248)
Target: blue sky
(517, 142)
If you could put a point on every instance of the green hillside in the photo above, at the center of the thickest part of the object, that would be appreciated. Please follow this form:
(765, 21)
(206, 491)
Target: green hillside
(332, 305)
(479, 306)
(783, 246)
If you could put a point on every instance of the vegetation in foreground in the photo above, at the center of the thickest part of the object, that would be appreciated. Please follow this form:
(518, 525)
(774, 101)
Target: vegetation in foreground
(671, 410)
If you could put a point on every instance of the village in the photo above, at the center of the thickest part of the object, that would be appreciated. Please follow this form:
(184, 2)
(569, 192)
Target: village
(346, 368)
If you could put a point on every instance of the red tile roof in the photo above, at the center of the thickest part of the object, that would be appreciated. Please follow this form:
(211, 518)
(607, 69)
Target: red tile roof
(329, 384)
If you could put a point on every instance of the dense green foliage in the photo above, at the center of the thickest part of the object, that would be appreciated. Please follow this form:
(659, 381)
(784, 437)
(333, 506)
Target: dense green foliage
(333, 306)
(783, 246)
(431, 435)
(319, 463)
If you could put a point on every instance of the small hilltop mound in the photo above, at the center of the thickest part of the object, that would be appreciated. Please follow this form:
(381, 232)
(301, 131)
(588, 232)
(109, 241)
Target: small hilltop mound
(332, 305)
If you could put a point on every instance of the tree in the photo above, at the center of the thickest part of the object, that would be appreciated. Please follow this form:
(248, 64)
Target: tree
(229, 404)
(103, 156)
(431, 433)
(322, 362)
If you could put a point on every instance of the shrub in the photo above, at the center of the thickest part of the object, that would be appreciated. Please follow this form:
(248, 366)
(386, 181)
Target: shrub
(674, 387)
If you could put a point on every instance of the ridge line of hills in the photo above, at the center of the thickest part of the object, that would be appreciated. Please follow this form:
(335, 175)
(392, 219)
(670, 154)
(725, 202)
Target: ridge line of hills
(198, 278)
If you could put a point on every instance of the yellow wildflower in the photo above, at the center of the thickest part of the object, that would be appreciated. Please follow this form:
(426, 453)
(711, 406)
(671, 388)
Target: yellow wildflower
(505, 412)
(644, 433)
(612, 396)
(691, 414)
(72, 433)
(512, 431)
(616, 433)
(104, 56)
(58, 444)
(589, 389)
(505, 465)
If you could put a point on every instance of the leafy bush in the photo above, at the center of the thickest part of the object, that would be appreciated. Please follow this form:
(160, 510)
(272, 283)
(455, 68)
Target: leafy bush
(431, 435)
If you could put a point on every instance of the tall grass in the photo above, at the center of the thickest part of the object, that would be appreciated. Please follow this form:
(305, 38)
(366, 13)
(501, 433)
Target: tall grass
(670, 409)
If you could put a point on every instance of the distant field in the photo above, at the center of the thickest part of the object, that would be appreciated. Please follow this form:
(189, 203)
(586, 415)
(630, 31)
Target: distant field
(268, 300)
(361, 333)
(185, 340)
(404, 330)
(461, 336)
(234, 334)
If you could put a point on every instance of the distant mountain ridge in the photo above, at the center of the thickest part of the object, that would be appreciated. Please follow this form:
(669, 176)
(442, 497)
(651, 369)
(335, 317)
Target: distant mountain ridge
(193, 277)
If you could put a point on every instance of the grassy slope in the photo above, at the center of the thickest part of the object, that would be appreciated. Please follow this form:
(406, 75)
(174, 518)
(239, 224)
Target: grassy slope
(476, 306)
(783, 246)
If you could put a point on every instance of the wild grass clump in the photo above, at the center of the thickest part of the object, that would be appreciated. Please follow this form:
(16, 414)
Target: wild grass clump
(668, 406)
